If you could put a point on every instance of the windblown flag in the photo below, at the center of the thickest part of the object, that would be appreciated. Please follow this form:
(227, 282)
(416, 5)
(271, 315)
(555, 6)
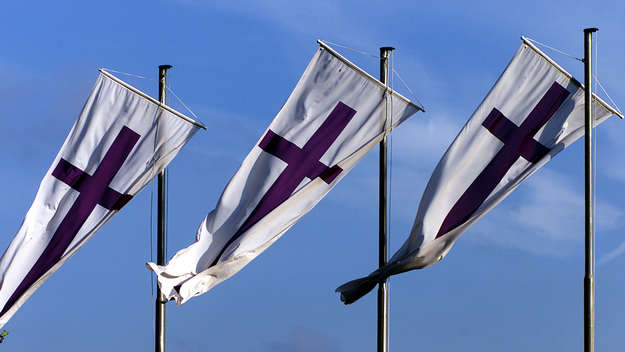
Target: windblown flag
(535, 110)
(334, 116)
(120, 141)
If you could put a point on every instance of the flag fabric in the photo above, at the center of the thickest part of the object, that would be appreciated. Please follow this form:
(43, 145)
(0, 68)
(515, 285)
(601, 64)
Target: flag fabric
(122, 138)
(333, 117)
(534, 110)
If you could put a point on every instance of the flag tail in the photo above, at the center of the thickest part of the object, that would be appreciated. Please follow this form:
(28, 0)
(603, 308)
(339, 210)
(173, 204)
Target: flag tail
(353, 290)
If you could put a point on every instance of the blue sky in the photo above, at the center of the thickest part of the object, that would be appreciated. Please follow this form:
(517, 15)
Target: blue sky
(513, 281)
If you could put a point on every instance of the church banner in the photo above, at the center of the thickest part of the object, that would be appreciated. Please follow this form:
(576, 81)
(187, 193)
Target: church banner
(334, 116)
(535, 110)
(121, 139)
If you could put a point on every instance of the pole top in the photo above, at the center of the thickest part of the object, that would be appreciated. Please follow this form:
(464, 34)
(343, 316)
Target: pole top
(164, 67)
(590, 30)
(386, 48)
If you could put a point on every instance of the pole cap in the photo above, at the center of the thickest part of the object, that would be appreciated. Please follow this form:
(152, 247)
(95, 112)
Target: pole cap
(590, 30)
(164, 67)
(386, 48)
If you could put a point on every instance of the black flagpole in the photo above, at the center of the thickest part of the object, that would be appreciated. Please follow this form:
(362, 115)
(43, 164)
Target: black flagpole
(159, 320)
(382, 292)
(589, 280)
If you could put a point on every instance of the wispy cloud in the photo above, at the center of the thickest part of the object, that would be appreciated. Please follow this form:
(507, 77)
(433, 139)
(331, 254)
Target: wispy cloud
(323, 17)
(610, 256)
(416, 146)
(615, 141)
(229, 135)
(546, 218)
(304, 340)
(424, 138)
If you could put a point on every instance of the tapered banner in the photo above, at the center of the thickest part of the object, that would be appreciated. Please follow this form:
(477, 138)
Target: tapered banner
(120, 141)
(334, 116)
(534, 111)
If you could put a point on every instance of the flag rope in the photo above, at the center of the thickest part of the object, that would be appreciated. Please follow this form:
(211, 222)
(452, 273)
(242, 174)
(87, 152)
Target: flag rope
(152, 169)
(390, 182)
(167, 176)
(390, 202)
(412, 95)
(168, 100)
(607, 95)
(352, 49)
(555, 49)
(152, 235)
(392, 69)
(152, 309)
(596, 75)
(595, 157)
(166, 86)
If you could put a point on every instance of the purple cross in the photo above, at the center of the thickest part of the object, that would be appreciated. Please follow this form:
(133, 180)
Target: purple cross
(94, 190)
(518, 142)
(302, 162)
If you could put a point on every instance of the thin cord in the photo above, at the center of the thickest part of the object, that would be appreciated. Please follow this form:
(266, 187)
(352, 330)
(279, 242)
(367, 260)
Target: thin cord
(166, 87)
(377, 57)
(412, 95)
(607, 95)
(152, 169)
(595, 142)
(167, 99)
(554, 49)
(152, 308)
(597, 74)
(390, 202)
(390, 183)
(152, 235)
(352, 49)
(183, 104)
(129, 74)
(166, 213)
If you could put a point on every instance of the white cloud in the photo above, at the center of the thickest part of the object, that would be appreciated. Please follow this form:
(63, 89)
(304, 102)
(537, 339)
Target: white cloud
(546, 218)
(423, 139)
(322, 17)
(615, 253)
(304, 340)
(609, 152)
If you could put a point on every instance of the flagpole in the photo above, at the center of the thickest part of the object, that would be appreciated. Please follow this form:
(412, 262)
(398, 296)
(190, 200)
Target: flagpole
(382, 292)
(159, 324)
(589, 280)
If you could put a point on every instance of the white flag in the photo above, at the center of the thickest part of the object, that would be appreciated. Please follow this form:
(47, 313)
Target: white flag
(121, 139)
(534, 111)
(334, 116)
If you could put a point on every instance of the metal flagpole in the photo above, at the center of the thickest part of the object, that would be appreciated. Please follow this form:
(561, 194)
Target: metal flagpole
(382, 292)
(159, 325)
(589, 280)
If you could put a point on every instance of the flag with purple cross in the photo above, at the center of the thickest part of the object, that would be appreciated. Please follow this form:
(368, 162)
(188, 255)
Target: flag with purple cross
(535, 110)
(122, 138)
(334, 116)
